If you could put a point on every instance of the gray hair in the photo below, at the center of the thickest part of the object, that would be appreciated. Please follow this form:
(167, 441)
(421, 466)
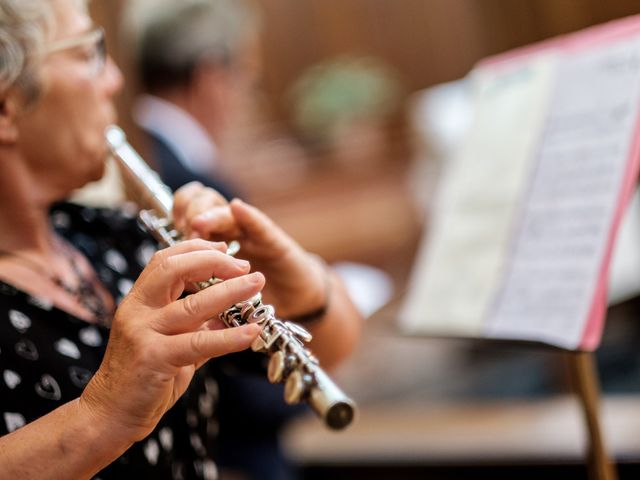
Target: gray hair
(25, 27)
(171, 37)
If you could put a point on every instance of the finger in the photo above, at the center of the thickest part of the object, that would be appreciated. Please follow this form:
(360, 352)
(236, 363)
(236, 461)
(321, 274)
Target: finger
(180, 248)
(259, 231)
(216, 222)
(192, 312)
(215, 323)
(181, 199)
(167, 280)
(201, 203)
(196, 347)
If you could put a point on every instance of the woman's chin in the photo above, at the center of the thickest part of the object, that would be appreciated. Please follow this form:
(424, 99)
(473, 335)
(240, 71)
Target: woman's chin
(92, 175)
(97, 173)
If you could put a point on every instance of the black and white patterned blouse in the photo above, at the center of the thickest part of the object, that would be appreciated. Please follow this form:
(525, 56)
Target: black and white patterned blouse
(47, 356)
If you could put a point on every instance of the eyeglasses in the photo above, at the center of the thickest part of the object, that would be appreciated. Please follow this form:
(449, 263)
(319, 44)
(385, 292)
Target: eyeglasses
(96, 57)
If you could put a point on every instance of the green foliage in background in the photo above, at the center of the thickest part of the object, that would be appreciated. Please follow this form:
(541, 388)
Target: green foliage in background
(345, 89)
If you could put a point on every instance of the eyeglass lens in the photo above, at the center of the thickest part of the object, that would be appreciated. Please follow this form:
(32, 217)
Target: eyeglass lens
(100, 55)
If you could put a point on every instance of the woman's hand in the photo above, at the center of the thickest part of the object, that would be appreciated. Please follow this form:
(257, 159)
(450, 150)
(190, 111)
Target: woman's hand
(296, 282)
(159, 339)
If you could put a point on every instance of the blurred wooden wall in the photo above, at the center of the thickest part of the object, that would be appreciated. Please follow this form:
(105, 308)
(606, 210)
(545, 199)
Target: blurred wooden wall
(427, 41)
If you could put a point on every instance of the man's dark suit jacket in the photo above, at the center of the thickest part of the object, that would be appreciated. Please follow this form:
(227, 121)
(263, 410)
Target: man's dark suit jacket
(175, 174)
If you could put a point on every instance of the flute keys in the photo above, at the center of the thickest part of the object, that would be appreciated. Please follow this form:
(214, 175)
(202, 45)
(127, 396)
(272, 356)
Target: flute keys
(276, 368)
(233, 248)
(261, 314)
(299, 332)
(294, 388)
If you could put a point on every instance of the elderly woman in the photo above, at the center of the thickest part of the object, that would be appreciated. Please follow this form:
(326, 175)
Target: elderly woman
(73, 405)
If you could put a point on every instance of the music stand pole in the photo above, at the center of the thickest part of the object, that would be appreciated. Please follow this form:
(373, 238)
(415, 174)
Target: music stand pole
(585, 379)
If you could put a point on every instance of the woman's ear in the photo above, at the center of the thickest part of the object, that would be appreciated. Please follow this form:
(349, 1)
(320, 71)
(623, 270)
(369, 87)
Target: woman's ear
(8, 116)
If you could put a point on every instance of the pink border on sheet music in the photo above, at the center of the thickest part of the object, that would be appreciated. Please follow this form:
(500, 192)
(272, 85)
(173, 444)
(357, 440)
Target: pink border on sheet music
(577, 41)
(595, 323)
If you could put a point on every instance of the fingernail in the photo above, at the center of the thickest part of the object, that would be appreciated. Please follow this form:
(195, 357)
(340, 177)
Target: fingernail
(255, 277)
(256, 329)
(208, 215)
(241, 263)
(252, 329)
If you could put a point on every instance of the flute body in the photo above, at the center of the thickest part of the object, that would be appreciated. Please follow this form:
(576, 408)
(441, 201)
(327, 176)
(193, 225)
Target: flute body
(284, 342)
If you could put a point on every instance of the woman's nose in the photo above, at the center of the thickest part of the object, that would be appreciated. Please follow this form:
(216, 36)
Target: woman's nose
(112, 77)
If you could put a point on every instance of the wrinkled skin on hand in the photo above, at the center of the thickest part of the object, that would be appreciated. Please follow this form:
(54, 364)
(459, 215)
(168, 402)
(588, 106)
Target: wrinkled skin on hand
(159, 338)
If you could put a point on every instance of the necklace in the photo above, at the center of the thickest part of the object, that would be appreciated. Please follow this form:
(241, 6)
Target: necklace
(85, 291)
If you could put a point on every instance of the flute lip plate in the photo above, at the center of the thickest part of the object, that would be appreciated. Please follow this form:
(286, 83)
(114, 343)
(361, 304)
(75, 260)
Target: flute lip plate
(115, 136)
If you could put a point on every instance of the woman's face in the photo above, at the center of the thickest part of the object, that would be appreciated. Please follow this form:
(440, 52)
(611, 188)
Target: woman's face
(61, 137)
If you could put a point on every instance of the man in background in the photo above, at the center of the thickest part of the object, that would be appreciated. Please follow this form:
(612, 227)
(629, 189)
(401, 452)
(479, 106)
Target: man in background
(197, 60)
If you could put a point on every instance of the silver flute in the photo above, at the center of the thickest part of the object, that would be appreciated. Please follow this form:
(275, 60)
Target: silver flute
(290, 361)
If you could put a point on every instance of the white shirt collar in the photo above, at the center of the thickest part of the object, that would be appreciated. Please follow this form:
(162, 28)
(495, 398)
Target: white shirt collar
(179, 129)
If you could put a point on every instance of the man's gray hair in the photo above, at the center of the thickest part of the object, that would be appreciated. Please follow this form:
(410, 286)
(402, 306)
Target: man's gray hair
(25, 27)
(171, 37)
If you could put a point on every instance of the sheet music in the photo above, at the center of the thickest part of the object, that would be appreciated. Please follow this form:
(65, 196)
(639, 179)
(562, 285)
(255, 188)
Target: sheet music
(459, 267)
(526, 211)
(566, 217)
